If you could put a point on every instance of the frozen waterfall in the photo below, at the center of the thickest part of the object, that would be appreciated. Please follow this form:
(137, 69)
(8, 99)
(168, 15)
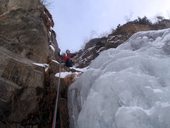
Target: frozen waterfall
(126, 87)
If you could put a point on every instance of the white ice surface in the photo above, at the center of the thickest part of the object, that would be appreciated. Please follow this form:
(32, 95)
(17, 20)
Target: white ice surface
(126, 87)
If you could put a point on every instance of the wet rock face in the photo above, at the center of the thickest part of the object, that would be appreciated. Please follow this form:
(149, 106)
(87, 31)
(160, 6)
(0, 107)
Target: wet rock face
(24, 85)
(3, 6)
(21, 89)
(25, 4)
(22, 30)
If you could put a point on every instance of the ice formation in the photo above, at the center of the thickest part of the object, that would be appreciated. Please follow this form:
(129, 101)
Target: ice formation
(126, 87)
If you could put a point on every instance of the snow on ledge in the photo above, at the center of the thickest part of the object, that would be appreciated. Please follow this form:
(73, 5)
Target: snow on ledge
(80, 69)
(63, 74)
(41, 64)
(52, 48)
(55, 61)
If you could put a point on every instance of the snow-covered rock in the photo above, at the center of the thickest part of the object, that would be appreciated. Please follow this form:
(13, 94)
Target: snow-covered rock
(126, 87)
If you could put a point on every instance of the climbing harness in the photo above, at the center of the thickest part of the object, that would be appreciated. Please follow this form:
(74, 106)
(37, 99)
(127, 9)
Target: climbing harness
(57, 98)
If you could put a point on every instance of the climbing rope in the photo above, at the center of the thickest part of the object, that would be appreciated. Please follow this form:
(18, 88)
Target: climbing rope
(57, 98)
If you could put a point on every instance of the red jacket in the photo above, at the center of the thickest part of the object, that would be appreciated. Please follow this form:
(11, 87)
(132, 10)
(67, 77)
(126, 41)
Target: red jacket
(67, 57)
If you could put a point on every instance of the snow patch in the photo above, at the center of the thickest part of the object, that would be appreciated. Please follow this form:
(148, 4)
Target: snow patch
(63, 74)
(52, 48)
(41, 65)
(55, 61)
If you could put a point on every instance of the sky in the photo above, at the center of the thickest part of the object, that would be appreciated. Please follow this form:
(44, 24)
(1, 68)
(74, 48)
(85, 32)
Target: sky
(77, 21)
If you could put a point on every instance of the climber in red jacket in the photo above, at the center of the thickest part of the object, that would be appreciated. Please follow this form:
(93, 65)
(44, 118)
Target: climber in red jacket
(67, 58)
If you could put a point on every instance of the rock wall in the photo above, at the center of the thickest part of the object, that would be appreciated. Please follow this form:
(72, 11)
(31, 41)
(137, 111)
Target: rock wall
(27, 47)
(22, 31)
